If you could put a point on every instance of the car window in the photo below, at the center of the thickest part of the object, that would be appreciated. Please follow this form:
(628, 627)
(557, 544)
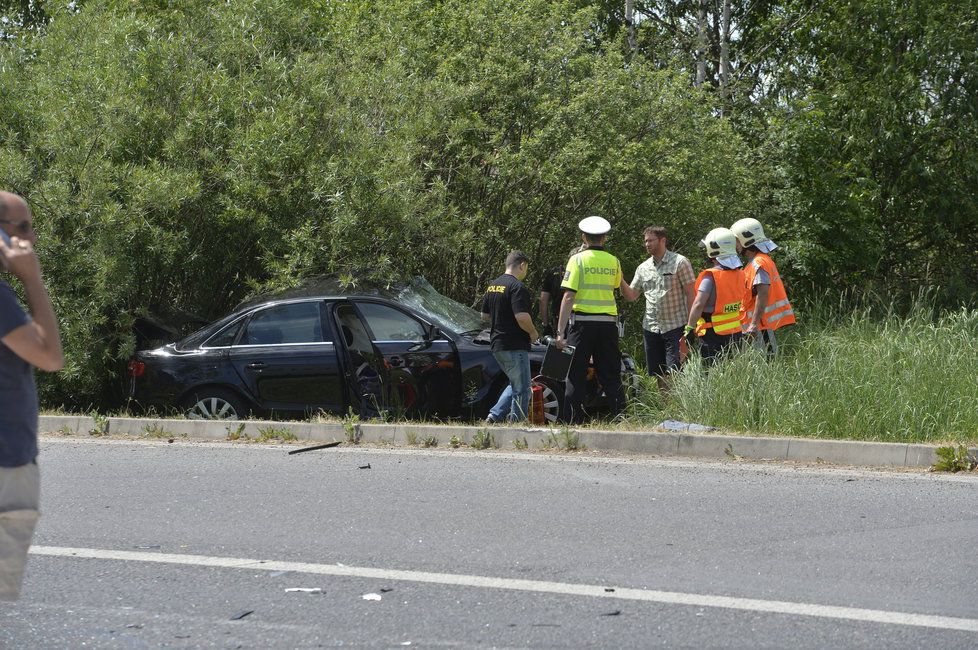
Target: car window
(298, 322)
(225, 337)
(389, 324)
(352, 331)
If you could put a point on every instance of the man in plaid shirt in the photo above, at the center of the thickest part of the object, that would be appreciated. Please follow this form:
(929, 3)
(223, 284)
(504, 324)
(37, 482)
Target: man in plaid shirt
(667, 280)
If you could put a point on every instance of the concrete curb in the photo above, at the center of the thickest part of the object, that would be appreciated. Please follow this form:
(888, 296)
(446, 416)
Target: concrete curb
(662, 443)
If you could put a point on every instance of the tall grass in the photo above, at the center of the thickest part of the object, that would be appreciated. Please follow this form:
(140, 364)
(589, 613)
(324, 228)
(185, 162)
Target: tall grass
(864, 374)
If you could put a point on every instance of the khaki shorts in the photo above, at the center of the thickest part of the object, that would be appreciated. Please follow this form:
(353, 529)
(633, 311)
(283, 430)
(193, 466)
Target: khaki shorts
(20, 492)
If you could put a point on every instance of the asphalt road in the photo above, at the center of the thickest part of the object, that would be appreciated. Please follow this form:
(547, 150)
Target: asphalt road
(148, 545)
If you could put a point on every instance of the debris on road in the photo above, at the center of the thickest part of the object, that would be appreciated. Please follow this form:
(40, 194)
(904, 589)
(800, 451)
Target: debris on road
(617, 612)
(610, 590)
(315, 447)
(367, 466)
(386, 589)
(305, 590)
(676, 425)
(148, 546)
(242, 614)
(371, 597)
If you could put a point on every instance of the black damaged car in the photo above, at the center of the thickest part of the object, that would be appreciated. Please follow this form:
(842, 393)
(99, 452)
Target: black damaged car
(405, 350)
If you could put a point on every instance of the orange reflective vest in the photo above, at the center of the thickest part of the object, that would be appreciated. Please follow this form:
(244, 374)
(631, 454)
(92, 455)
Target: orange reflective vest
(725, 319)
(778, 311)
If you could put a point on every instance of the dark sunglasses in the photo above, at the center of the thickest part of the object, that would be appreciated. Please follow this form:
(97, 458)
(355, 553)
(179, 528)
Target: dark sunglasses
(24, 227)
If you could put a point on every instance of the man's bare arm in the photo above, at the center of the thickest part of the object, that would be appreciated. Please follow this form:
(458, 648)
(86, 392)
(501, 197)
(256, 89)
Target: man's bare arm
(697, 308)
(525, 321)
(566, 306)
(629, 294)
(545, 308)
(760, 303)
(37, 342)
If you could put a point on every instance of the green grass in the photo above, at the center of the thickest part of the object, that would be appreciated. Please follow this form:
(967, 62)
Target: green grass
(564, 438)
(351, 425)
(483, 439)
(274, 433)
(950, 459)
(155, 431)
(855, 375)
(237, 432)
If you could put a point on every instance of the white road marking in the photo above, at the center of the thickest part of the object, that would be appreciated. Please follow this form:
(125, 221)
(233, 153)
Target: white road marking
(540, 586)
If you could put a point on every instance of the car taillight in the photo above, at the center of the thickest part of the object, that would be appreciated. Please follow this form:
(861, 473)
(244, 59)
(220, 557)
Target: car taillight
(136, 368)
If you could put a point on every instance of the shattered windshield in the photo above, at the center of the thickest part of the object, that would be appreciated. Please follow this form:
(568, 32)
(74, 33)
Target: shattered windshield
(422, 296)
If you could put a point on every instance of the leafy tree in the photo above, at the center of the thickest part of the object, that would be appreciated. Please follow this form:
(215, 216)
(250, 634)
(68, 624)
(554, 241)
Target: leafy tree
(185, 154)
(879, 146)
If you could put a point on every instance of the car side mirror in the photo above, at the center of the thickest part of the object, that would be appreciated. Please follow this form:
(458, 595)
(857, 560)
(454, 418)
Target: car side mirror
(430, 334)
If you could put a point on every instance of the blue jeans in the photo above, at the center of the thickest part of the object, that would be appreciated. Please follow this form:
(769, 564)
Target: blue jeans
(514, 403)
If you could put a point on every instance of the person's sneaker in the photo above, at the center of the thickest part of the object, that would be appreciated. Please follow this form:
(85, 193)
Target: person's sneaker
(490, 420)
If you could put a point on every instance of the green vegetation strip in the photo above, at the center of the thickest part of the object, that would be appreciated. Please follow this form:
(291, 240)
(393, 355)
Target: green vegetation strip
(848, 376)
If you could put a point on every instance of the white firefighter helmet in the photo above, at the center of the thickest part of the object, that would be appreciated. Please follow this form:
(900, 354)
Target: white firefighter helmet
(720, 241)
(750, 232)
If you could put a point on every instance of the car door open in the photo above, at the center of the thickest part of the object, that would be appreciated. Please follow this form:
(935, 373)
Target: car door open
(421, 363)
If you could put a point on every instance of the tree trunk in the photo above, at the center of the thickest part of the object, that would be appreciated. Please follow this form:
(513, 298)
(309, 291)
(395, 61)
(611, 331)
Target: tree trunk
(725, 55)
(630, 24)
(701, 44)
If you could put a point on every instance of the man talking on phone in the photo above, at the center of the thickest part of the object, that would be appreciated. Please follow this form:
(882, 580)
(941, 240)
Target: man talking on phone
(27, 341)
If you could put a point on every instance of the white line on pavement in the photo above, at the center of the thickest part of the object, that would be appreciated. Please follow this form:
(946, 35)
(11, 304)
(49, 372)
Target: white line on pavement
(562, 588)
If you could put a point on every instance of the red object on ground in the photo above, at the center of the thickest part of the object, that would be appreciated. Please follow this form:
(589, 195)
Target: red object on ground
(536, 404)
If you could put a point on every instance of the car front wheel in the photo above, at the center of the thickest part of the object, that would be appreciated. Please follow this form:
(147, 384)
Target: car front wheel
(553, 397)
(215, 404)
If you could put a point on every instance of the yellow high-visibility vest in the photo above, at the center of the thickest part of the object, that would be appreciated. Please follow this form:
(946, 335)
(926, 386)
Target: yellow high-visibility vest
(594, 275)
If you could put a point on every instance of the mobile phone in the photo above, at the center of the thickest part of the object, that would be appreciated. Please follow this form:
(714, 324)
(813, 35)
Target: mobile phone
(5, 237)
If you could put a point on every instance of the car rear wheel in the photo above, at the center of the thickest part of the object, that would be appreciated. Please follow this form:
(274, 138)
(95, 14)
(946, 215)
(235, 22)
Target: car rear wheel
(215, 404)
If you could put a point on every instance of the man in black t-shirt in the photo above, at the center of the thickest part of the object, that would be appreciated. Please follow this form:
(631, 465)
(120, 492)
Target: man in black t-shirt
(507, 307)
(551, 293)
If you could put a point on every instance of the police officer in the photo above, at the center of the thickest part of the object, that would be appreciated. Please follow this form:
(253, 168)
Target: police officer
(590, 280)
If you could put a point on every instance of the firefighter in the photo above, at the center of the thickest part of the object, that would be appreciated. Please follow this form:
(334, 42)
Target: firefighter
(715, 313)
(765, 306)
(589, 284)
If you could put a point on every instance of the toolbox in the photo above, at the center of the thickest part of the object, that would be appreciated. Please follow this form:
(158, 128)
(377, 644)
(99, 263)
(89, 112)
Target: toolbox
(557, 362)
